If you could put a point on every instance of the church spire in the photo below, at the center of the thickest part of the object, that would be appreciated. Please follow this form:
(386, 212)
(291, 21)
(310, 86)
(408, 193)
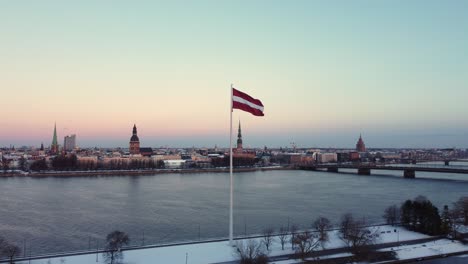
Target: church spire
(239, 137)
(54, 147)
(54, 139)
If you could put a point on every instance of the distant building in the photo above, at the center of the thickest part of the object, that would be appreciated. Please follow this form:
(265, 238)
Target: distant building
(146, 152)
(54, 147)
(354, 156)
(360, 146)
(69, 143)
(326, 157)
(134, 142)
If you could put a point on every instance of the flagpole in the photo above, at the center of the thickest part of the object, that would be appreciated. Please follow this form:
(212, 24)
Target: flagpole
(231, 242)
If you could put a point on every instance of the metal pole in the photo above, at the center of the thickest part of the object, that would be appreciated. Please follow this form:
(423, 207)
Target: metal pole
(186, 258)
(231, 199)
(97, 250)
(245, 226)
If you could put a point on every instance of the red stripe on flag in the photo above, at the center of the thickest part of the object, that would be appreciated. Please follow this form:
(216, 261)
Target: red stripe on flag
(246, 97)
(247, 108)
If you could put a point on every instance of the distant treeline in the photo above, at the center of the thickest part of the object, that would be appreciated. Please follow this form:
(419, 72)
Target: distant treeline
(71, 162)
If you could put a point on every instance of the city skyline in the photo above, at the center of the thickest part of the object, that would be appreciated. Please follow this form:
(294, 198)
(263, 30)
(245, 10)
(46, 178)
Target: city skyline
(97, 68)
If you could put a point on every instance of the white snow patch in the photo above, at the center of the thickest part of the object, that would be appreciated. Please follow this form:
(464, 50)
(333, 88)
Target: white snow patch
(433, 248)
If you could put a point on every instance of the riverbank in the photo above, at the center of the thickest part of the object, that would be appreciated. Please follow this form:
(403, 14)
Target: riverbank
(95, 173)
(406, 244)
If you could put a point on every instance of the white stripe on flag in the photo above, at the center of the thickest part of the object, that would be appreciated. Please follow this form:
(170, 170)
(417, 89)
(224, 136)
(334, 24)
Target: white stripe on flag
(243, 101)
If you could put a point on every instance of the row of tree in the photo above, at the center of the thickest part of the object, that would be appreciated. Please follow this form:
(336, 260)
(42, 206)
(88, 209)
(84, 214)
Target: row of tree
(422, 216)
(113, 254)
(236, 161)
(71, 162)
(355, 233)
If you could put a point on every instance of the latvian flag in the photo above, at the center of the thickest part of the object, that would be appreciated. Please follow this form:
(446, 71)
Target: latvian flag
(246, 103)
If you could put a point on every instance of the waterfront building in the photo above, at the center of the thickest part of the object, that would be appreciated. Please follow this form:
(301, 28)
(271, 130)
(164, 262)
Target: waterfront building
(360, 146)
(326, 157)
(69, 143)
(146, 152)
(134, 142)
(54, 147)
(354, 156)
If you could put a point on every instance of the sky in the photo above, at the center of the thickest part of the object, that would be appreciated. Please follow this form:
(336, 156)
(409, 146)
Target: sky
(326, 71)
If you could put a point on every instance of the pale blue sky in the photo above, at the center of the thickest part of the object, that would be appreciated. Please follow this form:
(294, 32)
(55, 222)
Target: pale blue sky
(325, 70)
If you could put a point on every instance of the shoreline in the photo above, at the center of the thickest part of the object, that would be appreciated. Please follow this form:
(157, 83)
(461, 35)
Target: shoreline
(96, 173)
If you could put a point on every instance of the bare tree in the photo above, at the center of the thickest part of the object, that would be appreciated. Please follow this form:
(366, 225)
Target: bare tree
(251, 252)
(283, 235)
(358, 237)
(460, 209)
(392, 214)
(267, 239)
(322, 224)
(305, 243)
(10, 250)
(115, 241)
(292, 233)
(5, 164)
(345, 224)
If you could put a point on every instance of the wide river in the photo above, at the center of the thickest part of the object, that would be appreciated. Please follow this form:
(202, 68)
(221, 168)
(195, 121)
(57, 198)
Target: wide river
(58, 214)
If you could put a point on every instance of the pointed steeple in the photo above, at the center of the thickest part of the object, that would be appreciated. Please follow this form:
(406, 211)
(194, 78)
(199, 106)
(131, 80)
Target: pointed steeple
(134, 129)
(54, 149)
(54, 138)
(360, 146)
(239, 137)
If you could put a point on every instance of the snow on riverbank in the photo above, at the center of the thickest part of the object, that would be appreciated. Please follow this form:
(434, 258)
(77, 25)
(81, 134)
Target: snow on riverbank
(215, 252)
(433, 248)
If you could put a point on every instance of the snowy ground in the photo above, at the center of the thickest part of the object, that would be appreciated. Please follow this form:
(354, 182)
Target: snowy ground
(215, 252)
(433, 248)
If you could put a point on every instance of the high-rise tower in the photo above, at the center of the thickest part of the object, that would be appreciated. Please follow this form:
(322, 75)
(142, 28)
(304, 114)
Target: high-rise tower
(239, 138)
(134, 142)
(69, 143)
(54, 148)
(360, 146)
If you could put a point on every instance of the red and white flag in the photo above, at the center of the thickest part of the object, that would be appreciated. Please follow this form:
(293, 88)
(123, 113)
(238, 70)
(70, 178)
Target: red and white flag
(246, 103)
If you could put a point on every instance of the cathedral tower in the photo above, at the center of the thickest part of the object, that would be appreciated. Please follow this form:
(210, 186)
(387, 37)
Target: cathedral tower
(134, 142)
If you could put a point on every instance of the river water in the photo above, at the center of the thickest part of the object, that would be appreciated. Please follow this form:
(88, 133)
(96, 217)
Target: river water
(57, 214)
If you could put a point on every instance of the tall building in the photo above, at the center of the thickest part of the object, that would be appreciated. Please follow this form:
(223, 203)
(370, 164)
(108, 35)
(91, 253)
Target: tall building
(54, 147)
(69, 143)
(239, 151)
(239, 139)
(134, 142)
(360, 146)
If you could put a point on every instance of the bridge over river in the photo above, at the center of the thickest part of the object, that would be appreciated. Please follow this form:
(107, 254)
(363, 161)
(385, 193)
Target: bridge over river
(365, 169)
